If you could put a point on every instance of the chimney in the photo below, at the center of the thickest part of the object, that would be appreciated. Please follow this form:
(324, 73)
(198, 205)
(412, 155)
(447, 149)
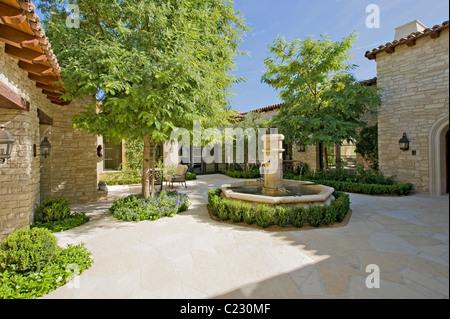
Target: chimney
(406, 29)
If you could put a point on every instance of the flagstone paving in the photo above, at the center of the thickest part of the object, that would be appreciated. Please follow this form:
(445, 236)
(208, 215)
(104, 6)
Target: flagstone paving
(190, 256)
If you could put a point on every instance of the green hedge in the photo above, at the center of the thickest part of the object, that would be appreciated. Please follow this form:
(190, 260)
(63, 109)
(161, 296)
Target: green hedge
(360, 188)
(254, 173)
(265, 216)
(369, 189)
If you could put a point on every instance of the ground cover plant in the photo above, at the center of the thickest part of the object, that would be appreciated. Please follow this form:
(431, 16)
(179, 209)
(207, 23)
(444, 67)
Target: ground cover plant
(265, 216)
(163, 204)
(32, 264)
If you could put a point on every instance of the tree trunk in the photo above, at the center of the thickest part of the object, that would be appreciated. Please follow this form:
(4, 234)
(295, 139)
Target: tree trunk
(319, 156)
(153, 168)
(338, 155)
(325, 158)
(146, 168)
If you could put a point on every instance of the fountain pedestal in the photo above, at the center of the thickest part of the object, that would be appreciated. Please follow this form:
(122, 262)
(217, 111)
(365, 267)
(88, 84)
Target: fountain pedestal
(273, 165)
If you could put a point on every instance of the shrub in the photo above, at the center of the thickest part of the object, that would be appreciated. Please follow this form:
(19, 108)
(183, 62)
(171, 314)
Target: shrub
(190, 176)
(281, 216)
(65, 265)
(234, 211)
(263, 215)
(316, 216)
(341, 205)
(329, 214)
(298, 216)
(27, 250)
(247, 213)
(221, 209)
(53, 209)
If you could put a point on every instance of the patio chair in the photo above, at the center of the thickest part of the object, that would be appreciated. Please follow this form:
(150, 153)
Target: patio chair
(179, 177)
(159, 177)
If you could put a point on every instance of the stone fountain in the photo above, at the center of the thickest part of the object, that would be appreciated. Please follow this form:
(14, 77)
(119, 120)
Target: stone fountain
(273, 190)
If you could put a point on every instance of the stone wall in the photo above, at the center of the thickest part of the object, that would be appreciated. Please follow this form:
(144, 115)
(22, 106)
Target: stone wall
(26, 179)
(414, 84)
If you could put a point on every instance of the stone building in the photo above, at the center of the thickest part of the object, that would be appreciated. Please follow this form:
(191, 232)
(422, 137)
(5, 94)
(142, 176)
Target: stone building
(31, 110)
(413, 75)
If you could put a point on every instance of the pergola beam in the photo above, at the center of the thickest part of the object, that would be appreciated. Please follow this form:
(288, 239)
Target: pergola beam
(11, 15)
(26, 55)
(17, 38)
(11, 100)
(37, 69)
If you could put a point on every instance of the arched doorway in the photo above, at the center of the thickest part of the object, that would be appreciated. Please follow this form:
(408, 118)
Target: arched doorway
(446, 162)
(438, 139)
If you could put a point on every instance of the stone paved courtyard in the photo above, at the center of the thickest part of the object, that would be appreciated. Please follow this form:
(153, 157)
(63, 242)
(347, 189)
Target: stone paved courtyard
(190, 256)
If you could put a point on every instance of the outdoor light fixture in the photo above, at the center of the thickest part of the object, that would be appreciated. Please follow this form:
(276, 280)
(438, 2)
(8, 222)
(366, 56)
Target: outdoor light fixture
(404, 143)
(6, 144)
(45, 148)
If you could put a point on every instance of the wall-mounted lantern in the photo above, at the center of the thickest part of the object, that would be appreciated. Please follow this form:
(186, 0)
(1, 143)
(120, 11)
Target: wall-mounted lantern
(404, 143)
(45, 148)
(6, 144)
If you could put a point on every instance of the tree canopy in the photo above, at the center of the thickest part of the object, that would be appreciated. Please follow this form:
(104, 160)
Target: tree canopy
(324, 104)
(154, 64)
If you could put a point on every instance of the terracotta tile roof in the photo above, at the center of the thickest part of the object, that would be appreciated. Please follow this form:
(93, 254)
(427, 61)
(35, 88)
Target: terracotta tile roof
(26, 41)
(409, 40)
(278, 106)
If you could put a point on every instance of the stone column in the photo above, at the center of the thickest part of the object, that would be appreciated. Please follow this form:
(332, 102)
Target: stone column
(273, 163)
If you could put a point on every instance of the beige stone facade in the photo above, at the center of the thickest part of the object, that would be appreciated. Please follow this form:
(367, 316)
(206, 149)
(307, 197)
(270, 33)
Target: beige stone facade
(26, 179)
(414, 83)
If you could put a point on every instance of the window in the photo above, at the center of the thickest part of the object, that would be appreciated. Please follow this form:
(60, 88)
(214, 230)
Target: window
(112, 156)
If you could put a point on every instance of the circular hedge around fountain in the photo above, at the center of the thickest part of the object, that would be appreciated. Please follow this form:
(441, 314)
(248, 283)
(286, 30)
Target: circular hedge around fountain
(280, 217)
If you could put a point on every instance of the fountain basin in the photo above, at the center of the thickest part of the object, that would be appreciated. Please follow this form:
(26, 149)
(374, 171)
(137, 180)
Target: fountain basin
(293, 193)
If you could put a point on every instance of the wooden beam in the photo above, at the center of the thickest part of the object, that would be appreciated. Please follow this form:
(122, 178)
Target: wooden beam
(11, 15)
(49, 87)
(17, 38)
(11, 100)
(26, 55)
(38, 69)
(44, 118)
(48, 79)
(61, 103)
(57, 95)
(54, 98)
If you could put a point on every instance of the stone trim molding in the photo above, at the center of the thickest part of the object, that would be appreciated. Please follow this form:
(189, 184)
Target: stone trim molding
(436, 141)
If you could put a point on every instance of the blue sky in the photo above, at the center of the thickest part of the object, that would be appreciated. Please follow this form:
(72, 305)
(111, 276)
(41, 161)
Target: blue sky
(337, 18)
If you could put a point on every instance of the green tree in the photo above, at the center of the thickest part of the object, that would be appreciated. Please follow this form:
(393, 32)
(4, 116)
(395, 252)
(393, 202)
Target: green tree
(324, 103)
(367, 145)
(154, 64)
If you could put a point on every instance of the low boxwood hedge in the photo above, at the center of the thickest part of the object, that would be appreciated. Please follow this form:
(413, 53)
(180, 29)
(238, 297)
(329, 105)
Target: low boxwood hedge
(265, 216)
(361, 188)
(254, 173)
